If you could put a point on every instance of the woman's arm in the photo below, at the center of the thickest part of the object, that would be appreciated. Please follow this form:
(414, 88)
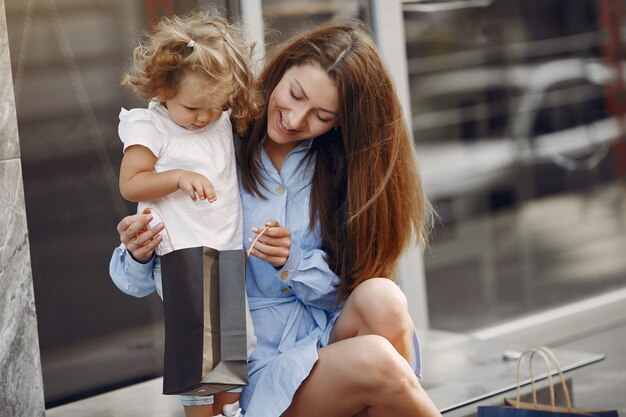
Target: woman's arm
(139, 182)
(130, 276)
(132, 262)
(305, 272)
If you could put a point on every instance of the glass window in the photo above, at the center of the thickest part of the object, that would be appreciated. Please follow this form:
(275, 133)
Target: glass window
(287, 17)
(515, 110)
(67, 58)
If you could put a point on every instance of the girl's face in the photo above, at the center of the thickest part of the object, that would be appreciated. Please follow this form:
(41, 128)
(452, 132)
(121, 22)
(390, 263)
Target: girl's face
(191, 107)
(304, 105)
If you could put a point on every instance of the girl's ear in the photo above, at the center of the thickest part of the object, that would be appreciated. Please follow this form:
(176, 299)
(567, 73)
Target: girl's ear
(159, 96)
(162, 94)
(160, 99)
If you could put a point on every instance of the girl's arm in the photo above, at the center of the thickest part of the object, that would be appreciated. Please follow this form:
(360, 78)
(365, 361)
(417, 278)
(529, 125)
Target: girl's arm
(139, 182)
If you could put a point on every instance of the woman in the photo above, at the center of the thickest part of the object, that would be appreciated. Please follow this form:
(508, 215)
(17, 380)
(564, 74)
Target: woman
(331, 164)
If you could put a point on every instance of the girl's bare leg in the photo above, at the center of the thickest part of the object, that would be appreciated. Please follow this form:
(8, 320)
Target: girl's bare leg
(224, 398)
(362, 375)
(199, 410)
(210, 410)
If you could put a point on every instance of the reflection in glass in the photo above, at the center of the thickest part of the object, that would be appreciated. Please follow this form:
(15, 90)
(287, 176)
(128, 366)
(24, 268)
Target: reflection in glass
(288, 17)
(516, 118)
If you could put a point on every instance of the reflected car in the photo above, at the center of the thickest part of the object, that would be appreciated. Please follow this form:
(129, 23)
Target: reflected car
(475, 129)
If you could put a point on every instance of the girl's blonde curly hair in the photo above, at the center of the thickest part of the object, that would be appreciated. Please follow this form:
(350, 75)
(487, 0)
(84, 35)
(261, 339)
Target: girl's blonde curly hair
(218, 51)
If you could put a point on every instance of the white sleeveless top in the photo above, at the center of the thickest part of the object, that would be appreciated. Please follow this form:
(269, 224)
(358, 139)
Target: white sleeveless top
(210, 152)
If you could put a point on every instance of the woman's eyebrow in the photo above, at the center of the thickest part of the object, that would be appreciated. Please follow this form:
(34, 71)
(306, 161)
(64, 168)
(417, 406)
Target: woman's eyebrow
(301, 89)
(307, 97)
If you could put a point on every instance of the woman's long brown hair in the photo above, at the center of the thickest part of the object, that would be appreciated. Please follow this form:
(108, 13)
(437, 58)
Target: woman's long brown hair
(366, 191)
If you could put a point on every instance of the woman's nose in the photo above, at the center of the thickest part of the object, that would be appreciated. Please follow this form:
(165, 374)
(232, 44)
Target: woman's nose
(297, 119)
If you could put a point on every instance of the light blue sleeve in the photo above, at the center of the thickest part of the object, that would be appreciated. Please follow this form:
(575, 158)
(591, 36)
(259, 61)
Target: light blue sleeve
(309, 277)
(130, 276)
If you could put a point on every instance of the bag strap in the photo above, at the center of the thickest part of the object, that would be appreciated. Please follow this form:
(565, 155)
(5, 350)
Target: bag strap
(532, 353)
(265, 229)
(532, 376)
(149, 210)
(555, 361)
(549, 360)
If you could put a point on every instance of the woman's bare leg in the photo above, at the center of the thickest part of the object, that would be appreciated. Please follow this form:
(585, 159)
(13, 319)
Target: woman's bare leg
(365, 369)
(361, 375)
(377, 306)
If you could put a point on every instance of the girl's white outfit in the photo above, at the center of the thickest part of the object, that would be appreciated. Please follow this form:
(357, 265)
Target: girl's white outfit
(210, 152)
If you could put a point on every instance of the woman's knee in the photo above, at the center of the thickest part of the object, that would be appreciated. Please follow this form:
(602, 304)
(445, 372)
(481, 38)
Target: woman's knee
(382, 305)
(384, 367)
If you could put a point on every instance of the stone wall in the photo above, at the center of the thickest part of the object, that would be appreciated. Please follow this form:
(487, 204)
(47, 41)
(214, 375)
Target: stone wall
(21, 387)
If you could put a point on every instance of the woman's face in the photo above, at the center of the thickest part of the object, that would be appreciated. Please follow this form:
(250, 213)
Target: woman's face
(304, 105)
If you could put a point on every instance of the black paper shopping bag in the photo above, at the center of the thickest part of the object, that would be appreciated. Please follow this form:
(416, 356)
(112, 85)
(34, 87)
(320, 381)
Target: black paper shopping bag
(205, 321)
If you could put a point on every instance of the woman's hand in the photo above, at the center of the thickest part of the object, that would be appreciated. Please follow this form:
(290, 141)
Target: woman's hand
(193, 183)
(140, 240)
(274, 245)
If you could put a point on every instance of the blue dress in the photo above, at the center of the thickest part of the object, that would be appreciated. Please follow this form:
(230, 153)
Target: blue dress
(293, 308)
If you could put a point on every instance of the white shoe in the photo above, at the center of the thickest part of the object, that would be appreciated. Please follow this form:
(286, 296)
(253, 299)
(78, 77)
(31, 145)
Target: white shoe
(232, 410)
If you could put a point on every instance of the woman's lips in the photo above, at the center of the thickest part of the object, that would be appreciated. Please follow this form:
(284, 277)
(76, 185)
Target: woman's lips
(281, 127)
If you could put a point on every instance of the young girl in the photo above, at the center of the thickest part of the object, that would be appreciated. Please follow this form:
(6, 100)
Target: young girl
(178, 153)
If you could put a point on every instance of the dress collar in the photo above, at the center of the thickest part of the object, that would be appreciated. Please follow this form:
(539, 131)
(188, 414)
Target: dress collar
(303, 145)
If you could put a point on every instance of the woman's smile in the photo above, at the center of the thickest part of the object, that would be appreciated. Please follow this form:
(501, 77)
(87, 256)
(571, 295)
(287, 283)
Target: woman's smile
(284, 124)
(285, 127)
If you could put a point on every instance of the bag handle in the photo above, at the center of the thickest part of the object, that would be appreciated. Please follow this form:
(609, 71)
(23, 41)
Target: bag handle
(158, 249)
(555, 361)
(549, 359)
(532, 353)
(265, 229)
(149, 210)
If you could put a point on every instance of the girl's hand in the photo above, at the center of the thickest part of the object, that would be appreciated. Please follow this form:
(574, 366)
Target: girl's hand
(140, 240)
(193, 183)
(274, 245)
